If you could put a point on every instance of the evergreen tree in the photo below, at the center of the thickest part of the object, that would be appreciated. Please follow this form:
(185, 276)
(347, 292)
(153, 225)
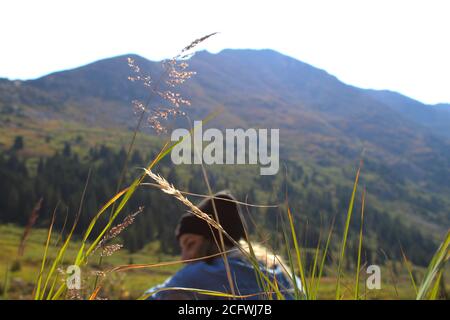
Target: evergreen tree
(18, 143)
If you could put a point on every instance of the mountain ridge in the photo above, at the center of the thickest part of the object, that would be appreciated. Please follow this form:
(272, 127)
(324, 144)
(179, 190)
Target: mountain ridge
(322, 120)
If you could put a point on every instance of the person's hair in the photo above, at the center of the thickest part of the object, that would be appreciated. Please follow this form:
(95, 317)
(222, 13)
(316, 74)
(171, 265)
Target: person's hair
(223, 208)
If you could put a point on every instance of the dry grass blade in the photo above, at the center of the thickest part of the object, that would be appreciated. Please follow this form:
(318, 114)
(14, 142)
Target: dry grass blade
(175, 73)
(165, 264)
(205, 292)
(222, 244)
(31, 221)
(94, 294)
(409, 268)
(168, 188)
(115, 231)
(391, 272)
(194, 43)
(187, 193)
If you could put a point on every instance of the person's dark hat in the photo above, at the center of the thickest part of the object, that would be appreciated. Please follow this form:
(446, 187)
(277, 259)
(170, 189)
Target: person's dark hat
(228, 212)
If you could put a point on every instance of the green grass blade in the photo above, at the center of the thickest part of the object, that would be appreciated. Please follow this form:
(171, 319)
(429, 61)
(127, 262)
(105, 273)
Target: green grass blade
(298, 253)
(344, 239)
(434, 292)
(291, 261)
(324, 257)
(37, 295)
(358, 264)
(259, 279)
(314, 266)
(63, 249)
(126, 193)
(59, 258)
(438, 261)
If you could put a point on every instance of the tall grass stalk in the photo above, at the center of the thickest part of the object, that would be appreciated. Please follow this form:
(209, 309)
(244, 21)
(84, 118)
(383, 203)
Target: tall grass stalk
(298, 253)
(410, 273)
(41, 292)
(86, 249)
(44, 259)
(322, 263)
(346, 228)
(315, 264)
(358, 264)
(297, 290)
(168, 188)
(216, 216)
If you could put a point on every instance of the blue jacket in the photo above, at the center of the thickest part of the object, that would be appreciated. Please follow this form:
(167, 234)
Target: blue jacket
(212, 276)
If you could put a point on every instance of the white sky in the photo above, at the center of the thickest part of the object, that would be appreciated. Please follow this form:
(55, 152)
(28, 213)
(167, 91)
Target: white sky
(398, 45)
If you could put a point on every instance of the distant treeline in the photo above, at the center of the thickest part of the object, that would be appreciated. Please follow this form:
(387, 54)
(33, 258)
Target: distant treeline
(59, 180)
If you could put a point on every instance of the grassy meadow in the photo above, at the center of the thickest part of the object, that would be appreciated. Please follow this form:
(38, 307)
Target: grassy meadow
(18, 274)
(21, 278)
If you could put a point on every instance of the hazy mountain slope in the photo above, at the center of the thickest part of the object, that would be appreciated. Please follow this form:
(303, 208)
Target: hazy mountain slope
(445, 107)
(322, 121)
(435, 117)
(323, 114)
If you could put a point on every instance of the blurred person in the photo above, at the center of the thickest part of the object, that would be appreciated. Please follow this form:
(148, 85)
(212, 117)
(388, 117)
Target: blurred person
(198, 239)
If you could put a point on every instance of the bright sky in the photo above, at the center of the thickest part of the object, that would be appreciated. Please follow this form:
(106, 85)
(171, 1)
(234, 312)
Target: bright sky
(401, 45)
